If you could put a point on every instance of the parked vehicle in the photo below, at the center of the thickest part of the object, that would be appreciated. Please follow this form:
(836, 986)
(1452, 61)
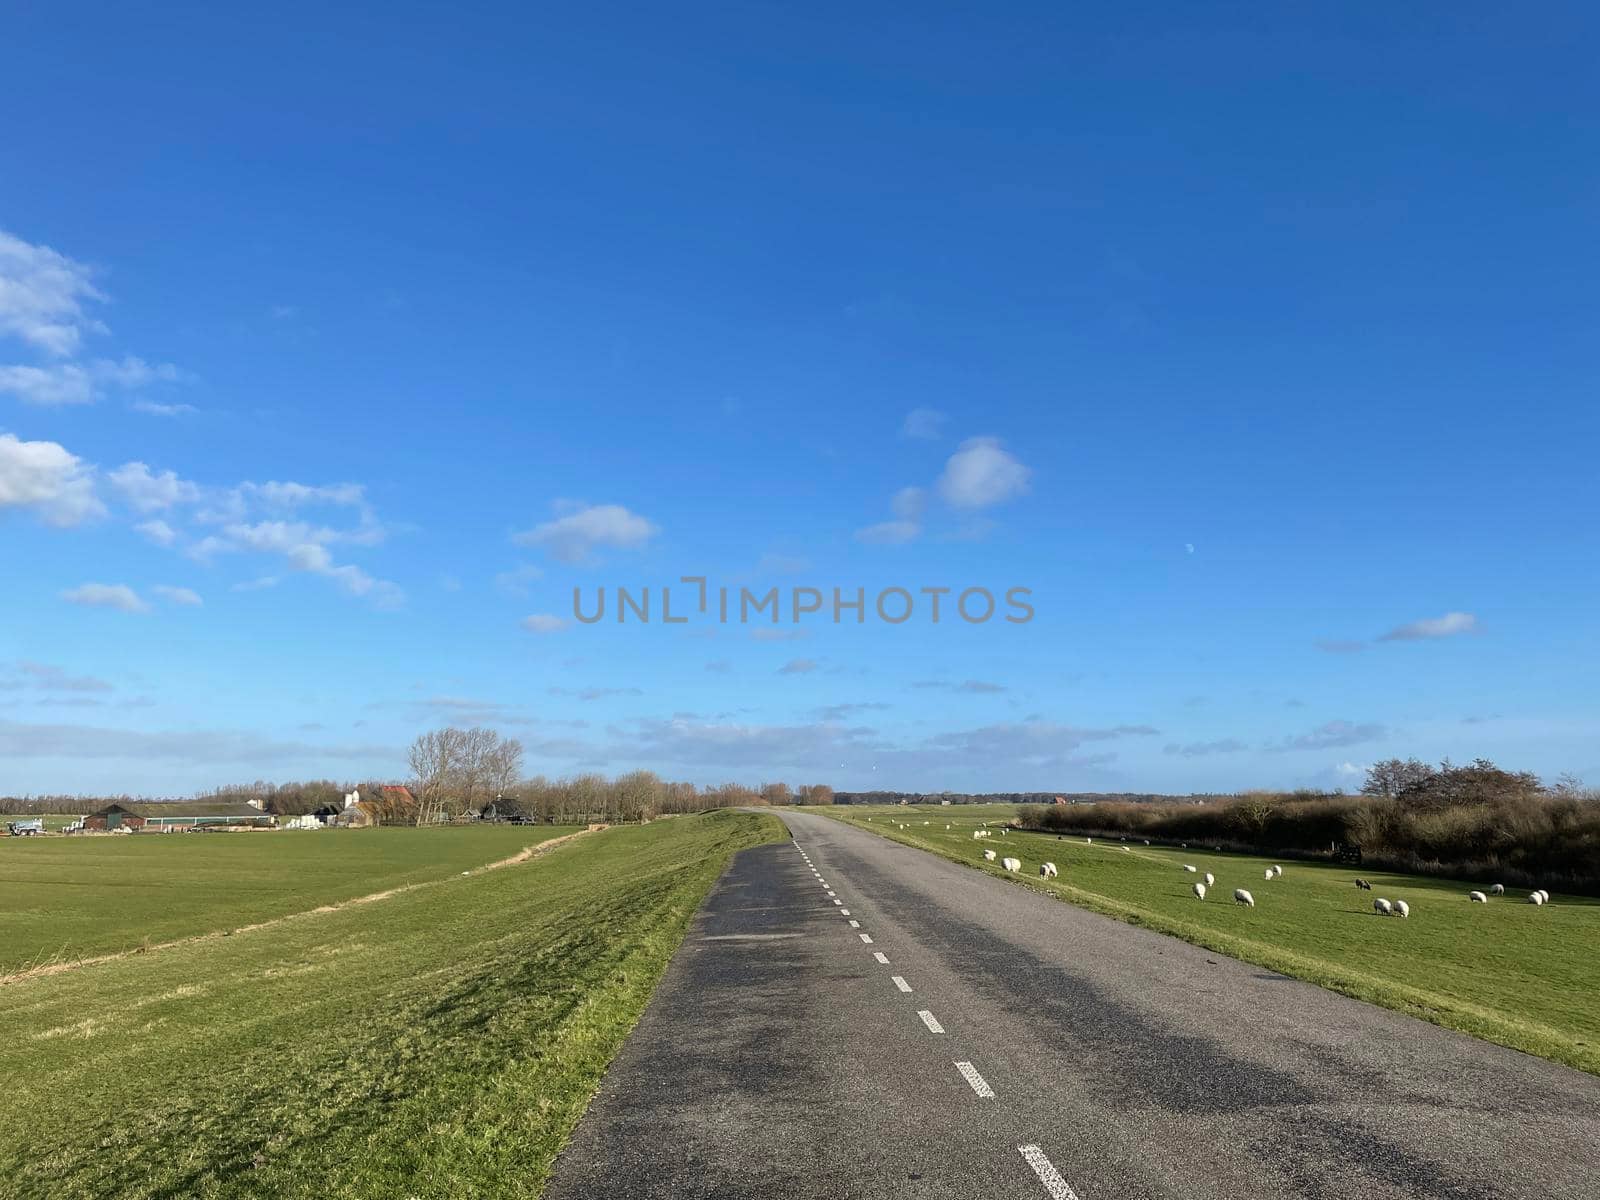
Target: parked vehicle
(25, 828)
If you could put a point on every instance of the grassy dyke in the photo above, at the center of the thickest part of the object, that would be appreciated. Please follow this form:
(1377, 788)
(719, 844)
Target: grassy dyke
(441, 1043)
(70, 898)
(1506, 971)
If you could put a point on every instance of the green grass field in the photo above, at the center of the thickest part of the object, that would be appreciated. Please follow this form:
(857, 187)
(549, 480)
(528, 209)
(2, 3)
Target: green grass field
(70, 898)
(1507, 971)
(441, 1043)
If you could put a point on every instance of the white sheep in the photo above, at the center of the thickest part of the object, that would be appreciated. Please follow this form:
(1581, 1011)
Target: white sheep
(1268, 873)
(1382, 907)
(1402, 909)
(988, 856)
(1240, 896)
(1088, 841)
(1278, 871)
(1545, 894)
(1210, 879)
(1200, 891)
(1497, 889)
(1011, 864)
(1478, 897)
(1191, 870)
(1048, 871)
(1536, 898)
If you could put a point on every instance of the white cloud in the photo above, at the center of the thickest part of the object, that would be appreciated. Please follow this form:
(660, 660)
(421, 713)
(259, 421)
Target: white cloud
(515, 581)
(543, 623)
(151, 408)
(148, 492)
(48, 678)
(178, 595)
(923, 423)
(1449, 625)
(798, 666)
(45, 477)
(909, 503)
(981, 474)
(889, 533)
(1334, 735)
(182, 746)
(305, 548)
(158, 532)
(82, 383)
(288, 494)
(42, 297)
(256, 585)
(573, 538)
(106, 595)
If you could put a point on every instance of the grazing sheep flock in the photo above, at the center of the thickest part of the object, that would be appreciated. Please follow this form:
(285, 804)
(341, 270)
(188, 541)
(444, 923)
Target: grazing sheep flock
(1206, 881)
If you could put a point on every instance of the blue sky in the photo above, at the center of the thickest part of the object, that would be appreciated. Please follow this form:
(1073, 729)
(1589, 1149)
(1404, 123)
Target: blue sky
(1257, 341)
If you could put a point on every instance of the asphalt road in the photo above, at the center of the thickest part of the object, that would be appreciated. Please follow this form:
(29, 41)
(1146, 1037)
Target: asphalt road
(783, 1056)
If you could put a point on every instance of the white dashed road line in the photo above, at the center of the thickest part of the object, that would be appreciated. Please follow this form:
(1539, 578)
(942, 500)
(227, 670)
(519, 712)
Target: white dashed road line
(844, 912)
(881, 957)
(1058, 1187)
(970, 1074)
(933, 1025)
(855, 924)
(900, 982)
(865, 940)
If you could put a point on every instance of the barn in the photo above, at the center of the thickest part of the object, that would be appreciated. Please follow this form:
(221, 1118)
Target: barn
(114, 816)
(187, 815)
(167, 814)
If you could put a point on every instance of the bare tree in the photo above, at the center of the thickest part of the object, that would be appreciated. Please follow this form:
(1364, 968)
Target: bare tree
(503, 766)
(1394, 776)
(435, 762)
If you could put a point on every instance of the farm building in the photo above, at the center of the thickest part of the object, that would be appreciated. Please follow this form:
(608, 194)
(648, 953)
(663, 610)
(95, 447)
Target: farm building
(114, 816)
(177, 815)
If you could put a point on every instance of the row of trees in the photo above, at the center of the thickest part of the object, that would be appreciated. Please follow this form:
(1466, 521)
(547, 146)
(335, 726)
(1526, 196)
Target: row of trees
(1475, 821)
(458, 771)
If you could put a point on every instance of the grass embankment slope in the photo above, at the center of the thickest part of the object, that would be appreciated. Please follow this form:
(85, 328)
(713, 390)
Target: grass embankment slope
(1507, 971)
(441, 1043)
(71, 898)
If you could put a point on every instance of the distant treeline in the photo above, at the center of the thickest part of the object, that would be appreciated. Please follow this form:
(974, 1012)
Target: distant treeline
(1021, 797)
(1475, 821)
